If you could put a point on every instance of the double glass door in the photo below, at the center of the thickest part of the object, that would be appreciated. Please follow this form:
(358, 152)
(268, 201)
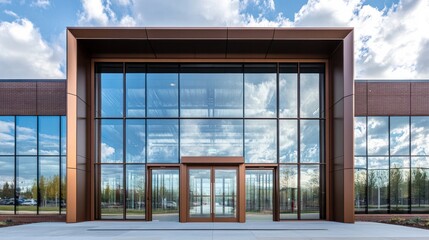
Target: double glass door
(212, 194)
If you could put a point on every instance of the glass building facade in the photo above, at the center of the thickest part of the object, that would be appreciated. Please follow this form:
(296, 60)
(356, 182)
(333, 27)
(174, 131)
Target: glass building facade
(153, 115)
(32, 165)
(392, 164)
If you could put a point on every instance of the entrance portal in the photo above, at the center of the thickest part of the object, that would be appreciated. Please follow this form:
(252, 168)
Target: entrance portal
(212, 194)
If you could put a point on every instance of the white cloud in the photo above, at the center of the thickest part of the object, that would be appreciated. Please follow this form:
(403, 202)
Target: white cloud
(41, 3)
(106, 150)
(11, 13)
(25, 54)
(101, 13)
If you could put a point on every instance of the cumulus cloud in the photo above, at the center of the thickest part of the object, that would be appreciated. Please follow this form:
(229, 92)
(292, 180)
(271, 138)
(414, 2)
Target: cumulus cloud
(25, 54)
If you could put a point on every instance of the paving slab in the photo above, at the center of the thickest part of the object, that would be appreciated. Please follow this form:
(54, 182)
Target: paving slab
(113, 230)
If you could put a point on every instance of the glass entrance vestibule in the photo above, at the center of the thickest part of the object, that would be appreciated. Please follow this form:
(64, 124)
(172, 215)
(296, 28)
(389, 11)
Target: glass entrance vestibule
(150, 116)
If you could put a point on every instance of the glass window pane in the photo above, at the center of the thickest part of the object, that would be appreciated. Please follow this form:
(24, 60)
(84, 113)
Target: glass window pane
(162, 141)
(213, 92)
(7, 185)
(26, 135)
(378, 135)
(7, 135)
(136, 191)
(360, 135)
(420, 135)
(310, 80)
(49, 135)
(63, 135)
(162, 95)
(26, 185)
(260, 141)
(310, 141)
(288, 192)
(211, 137)
(111, 87)
(378, 195)
(288, 91)
(288, 141)
(420, 185)
(360, 190)
(63, 185)
(399, 136)
(111, 144)
(399, 182)
(49, 185)
(111, 192)
(135, 91)
(260, 86)
(310, 206)
(136, 141)
(259, 195)
(378, 163)
(360, 162)
(165, 194)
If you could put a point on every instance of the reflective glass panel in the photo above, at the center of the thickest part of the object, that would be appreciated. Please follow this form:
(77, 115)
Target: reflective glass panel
(310, 195)
(63, 191)
(310, 141)
(112, 192)
(199, 193)
(26, 135)
(310, 80)
(378, 184)
(399, 184)
(135, 90)
(211, 137)
(211, 92)
(360, 162)
(7, 135)
(63, 135)
(260, 141)
(136, 147)
(7, 185)
(225, 190)
(259, 195)
(49, 185)
(260, 87)
(111, 144)
(135, 178)
(49, 135)
(288, 91)
(420, 135)
(399, 136)
(162, 141)
(288, 192)
(360, 190)
(420, 184)
(26, 185)
(162, 94)
(360, 135)
(288, 137)
(111, 90)
(378, 135)
(165, 194)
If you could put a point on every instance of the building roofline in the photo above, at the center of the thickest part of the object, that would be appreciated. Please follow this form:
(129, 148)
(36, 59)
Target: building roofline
(389, 80)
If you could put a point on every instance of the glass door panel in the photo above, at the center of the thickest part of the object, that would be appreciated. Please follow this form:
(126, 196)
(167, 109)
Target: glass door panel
(259, 194)
(165, 194)
(200, 193)
(225, 193)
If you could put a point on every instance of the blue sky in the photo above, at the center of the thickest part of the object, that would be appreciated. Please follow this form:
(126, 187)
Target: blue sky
(391, 39)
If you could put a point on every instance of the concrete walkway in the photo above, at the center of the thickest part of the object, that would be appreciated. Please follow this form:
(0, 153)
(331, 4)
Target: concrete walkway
(107, 230)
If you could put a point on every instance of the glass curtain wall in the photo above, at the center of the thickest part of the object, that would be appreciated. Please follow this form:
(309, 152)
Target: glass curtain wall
(158, 113)
(32, 164)
(391, 164)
